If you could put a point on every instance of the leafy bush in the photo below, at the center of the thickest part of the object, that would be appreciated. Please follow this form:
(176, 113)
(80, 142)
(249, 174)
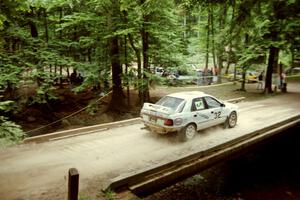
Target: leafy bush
(173, 82)
(10, 132)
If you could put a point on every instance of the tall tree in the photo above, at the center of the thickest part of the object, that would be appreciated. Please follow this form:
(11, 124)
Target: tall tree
(117, 101)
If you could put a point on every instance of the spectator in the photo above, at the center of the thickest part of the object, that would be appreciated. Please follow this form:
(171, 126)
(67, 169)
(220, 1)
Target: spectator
(79, 79)
(260, 81)
(283, 82)
(199, 77)
(210, 76)
(73, 77)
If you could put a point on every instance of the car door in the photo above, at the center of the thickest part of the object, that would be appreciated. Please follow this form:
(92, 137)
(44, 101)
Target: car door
(216, 110)
(200, 114)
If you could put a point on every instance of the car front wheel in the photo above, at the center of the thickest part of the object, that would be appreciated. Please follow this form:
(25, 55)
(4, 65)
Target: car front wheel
(188, 132)
(232, 119)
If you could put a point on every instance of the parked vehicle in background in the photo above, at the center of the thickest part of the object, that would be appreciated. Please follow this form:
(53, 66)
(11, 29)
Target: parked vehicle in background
(251, 76)
(186, 113)
(292, 71)
(159, 71)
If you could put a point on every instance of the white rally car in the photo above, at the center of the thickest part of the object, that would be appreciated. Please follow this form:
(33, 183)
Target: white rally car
(188, 112)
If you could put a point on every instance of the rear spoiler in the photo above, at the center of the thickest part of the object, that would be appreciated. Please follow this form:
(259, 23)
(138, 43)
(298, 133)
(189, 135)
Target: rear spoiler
(157, 108)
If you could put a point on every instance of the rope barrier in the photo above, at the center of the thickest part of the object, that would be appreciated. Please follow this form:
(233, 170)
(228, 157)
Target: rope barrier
(68, 116)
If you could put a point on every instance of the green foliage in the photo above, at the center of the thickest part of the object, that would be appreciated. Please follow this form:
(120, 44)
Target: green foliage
(110, 194)
(2, 19)
(153, 80)
(6, 105)
(130, 78)
(45, 91)
(41, 40)
(83, 197)
(173, 82)
(9, 71)
(249, 55)
(285, 57)
(10, 132)
(92, 107)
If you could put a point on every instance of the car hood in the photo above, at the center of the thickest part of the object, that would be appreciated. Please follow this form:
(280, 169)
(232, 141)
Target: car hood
(231, 106)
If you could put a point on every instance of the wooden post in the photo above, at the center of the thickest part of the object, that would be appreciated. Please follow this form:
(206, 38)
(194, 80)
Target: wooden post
(73, 184)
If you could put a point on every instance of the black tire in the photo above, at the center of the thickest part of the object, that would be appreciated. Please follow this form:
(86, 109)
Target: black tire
(187, 133)
(225, 124)
(232, 119)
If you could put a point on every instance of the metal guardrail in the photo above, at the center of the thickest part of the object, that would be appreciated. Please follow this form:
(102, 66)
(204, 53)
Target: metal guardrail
(236, 100)
(79, 131)
(157, 177)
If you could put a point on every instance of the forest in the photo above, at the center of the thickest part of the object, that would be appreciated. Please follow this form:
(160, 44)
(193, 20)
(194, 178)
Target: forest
(111, 46)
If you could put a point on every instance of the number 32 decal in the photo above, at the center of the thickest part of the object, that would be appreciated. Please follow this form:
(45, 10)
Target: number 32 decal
(217, 114)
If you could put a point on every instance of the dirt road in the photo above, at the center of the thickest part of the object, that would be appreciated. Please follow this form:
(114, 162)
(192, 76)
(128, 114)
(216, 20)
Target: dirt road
(39, 171)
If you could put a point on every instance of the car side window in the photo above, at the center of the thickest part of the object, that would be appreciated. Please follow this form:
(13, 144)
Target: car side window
(180, 109)
(212, 103)
(198, 104)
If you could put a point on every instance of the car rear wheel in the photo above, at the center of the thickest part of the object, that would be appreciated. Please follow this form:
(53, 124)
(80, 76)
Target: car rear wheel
(232, 119)
(188, 132)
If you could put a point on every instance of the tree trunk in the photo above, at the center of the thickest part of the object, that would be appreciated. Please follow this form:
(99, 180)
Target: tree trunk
(207, 43)
(126, 70)
(60, 37)
(50, 70)
(139, 62)
(137, 52)
(206, 79)
(60, 76)
(68, 72)
(243, 88)
(34, 34)
(213, 37)
(184, 27)
(244, 68)
(228, 64)
(106, 84)
(138, 57)
(117, 102)
(272, 64)
(60, 22)
(33, 30)
(46, 26)
(145, 37)
(146, 68)
(220, 50)
(9, 91)
(230, 35)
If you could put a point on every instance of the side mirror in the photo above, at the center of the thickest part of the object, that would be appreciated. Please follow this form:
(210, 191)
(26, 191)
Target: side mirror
(222, 105)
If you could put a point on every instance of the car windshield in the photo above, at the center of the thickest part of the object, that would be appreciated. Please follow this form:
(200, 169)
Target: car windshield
(159, 70)
(170, 102)
(252, 73)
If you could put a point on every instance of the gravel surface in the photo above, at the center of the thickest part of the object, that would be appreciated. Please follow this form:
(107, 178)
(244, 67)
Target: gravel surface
(39, 171)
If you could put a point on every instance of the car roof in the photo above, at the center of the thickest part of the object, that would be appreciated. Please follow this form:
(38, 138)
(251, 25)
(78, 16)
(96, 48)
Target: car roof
(188, 95)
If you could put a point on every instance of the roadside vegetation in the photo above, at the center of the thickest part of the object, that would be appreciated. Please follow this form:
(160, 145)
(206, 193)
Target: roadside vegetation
(10, 132)
(58, 57)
